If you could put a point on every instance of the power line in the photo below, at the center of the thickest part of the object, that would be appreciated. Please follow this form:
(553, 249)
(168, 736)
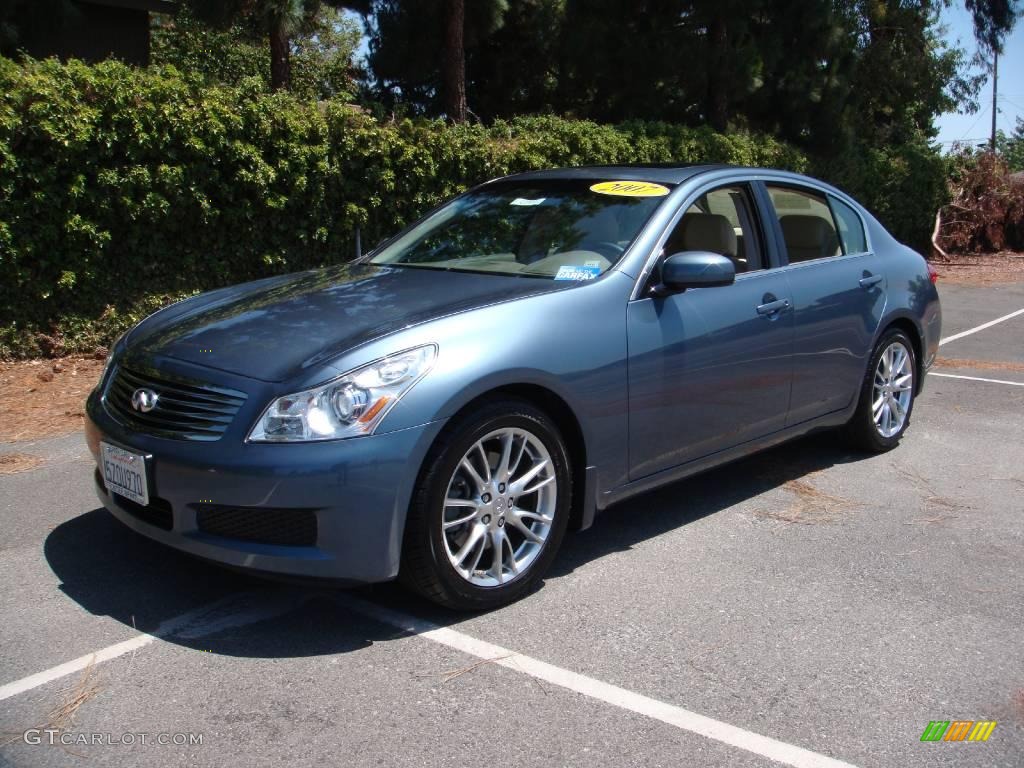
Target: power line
(974, 125)
(1011, 103)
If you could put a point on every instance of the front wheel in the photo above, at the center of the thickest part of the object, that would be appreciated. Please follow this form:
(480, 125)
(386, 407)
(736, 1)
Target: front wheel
(887, 394)
(490, 509)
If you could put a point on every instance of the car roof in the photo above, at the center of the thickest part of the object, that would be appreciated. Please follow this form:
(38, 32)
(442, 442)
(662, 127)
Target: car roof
(670, 173)
(666, 173)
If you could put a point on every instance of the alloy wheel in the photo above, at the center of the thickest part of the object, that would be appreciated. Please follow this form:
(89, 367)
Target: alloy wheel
(893, 389)
(499, 507)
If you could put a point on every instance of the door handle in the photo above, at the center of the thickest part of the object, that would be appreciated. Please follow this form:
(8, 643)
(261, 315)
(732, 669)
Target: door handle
(869, 280)
(773, 308)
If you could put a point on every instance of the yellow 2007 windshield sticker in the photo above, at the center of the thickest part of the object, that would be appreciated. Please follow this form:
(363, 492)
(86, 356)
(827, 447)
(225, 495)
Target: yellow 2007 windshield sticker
(630, 189)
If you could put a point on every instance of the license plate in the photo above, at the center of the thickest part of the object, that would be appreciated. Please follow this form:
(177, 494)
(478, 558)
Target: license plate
(124, 473)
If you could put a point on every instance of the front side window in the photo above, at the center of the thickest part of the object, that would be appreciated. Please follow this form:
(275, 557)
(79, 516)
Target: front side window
(720, 221)
(851, 230)
(807, 225)
(560, 229)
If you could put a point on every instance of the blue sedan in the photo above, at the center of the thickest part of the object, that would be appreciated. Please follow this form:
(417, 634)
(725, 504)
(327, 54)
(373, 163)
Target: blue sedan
(446, 407)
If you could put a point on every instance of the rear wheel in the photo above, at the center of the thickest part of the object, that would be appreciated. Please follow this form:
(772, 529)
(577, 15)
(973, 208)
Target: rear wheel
(887, 394)
(490, 508)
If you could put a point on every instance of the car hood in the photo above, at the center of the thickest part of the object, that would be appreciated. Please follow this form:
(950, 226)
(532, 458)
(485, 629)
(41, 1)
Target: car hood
(274, 329)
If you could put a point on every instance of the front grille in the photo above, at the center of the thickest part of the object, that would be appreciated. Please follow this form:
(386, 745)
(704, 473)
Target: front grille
(286, 527)
(158, 512)
(185, 410)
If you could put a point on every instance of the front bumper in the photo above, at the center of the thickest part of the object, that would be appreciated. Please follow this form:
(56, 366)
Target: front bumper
(354, 493)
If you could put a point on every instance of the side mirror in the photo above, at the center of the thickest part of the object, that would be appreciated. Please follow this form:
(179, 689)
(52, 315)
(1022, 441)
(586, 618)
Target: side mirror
(694, 269)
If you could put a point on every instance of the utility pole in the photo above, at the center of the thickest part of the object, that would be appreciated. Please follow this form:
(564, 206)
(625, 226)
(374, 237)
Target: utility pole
(995, 108)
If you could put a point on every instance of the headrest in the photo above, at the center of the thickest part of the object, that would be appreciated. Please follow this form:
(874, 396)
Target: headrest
(708, 232)
(809, 233)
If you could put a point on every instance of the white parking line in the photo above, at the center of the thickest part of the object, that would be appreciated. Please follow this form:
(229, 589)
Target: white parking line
(76, 665)
(981, 327)
(684, 719)
(249, 608)
(977, 378)
(233, 611)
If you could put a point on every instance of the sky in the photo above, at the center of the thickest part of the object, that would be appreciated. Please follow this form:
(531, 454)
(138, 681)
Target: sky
(976, 128)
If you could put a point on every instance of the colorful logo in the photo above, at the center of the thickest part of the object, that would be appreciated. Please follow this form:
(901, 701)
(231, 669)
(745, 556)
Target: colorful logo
(958, 730)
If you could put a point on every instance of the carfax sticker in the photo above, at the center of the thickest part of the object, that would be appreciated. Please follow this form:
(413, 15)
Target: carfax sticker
(571, 272)
(630, 189)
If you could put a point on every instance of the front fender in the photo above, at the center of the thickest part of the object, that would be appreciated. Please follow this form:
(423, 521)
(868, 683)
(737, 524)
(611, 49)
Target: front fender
(571, 343)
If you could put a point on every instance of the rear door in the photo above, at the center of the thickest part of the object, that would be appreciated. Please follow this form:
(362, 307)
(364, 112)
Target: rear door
(709, 368)
(838, 292)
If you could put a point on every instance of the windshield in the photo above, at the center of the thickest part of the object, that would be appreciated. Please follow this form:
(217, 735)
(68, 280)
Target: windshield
(562, 230)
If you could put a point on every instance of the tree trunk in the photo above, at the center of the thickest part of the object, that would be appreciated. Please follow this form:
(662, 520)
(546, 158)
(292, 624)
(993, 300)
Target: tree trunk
(718, 95)
(280, 57)
(454, 64)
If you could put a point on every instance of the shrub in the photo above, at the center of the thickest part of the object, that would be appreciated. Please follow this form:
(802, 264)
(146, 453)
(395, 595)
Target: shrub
(986, 213)
(123, 188)
(903, 185)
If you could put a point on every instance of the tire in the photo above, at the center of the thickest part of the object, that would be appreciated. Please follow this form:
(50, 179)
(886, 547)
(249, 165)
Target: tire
(878, 435)
(428, 548)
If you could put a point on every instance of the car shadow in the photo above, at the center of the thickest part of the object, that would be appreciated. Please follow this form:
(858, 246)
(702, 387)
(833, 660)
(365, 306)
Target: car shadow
(631, 522)
(109, 570)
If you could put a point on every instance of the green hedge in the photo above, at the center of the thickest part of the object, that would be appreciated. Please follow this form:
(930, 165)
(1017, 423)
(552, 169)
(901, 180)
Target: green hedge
(121, 189)
(903, 185)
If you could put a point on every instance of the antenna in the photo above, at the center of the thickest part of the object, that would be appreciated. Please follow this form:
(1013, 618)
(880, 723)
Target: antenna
(359, 243)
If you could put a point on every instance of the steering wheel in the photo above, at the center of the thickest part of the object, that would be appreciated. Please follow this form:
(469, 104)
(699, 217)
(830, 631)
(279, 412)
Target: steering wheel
(616, 249)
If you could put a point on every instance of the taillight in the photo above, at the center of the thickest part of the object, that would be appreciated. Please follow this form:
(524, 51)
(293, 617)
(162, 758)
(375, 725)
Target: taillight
(933, 273)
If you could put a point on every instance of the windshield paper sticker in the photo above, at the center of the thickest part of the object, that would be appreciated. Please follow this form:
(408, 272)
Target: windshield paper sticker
(585, 272)
(630, 189)
(527, 201)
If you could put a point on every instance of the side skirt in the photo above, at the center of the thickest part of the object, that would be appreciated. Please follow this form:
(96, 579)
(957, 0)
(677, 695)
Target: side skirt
(711, 461)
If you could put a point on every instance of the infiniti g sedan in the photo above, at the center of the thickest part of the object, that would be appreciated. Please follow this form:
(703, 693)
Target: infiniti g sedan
(445, 408)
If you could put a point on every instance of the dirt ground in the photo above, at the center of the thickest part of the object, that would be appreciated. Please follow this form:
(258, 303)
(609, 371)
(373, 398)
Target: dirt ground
(43, 398)
(982, 269)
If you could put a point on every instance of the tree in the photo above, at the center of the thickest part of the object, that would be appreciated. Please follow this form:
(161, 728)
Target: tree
(816, 72)
(801, 77)
(320, 58)
(1012, 147)
(454, 61)
(905, 75)
(515, 69)
(993, 21)
(277, 21)
(416, 55)
(821, 73)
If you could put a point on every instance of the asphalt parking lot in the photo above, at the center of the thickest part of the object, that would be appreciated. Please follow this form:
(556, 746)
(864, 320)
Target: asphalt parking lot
(808, 606)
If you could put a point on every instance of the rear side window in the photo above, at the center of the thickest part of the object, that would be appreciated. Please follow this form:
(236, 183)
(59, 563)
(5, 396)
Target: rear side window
(807, 224)
(851, 230)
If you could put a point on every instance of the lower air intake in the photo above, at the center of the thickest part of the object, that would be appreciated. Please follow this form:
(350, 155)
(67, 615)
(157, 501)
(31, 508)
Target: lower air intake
(284, 527)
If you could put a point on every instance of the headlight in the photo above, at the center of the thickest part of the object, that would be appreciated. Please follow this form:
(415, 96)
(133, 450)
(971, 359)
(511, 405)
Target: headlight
(349, 406)
(109, 363)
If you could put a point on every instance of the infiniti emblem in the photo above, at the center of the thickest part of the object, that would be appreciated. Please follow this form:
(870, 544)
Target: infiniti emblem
(144, 400)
